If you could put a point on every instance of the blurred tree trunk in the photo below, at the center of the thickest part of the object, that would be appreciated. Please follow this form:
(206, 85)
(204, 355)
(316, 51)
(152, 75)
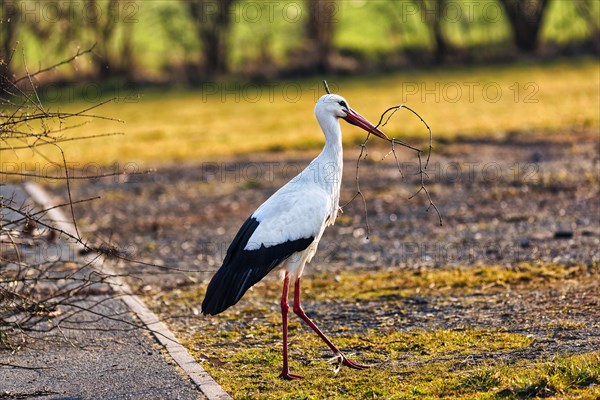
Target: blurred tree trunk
(9, 22)
(102, 23)
(319, 32)
(525, 17)
(432, 12)
(585, 10)
(127, 54)
(212, 20)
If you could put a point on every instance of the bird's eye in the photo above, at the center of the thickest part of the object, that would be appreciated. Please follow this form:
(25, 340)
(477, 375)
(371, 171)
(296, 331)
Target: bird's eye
(343, 103)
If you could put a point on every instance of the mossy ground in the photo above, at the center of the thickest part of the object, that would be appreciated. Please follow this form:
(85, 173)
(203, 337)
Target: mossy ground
(241, 348)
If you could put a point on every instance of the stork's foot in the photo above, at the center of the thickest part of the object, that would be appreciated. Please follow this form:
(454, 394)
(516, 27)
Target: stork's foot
(286, 375)
(353, 364)
(340, 359)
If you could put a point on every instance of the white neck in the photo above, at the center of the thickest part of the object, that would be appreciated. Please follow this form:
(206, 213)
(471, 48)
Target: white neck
(332, 151)
(329, 164)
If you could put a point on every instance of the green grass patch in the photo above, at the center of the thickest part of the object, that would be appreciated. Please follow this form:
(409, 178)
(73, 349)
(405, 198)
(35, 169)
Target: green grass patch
(389, 284)
(241, 348)
(403, 364)
(440, 281)
(487, 101)
(418, 364)
(562, 377)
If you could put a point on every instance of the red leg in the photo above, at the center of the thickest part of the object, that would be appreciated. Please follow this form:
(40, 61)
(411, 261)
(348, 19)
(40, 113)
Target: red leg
(300, 312)
(285, 373)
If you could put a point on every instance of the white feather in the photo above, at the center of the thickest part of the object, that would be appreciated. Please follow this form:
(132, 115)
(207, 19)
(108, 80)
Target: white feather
(290, 214)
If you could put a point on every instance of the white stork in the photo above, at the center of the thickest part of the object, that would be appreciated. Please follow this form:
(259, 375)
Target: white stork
(288, 226)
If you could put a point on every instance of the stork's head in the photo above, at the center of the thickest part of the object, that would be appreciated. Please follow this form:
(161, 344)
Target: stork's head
(336, 106)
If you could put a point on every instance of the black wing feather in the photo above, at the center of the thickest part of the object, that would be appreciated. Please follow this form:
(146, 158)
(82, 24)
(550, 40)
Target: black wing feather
(241, 268)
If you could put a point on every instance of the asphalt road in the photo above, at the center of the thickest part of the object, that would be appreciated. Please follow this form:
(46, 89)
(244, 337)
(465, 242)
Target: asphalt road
(99, 351)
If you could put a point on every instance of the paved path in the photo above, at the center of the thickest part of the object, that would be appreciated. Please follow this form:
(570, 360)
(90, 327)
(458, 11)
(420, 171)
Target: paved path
(97, 358)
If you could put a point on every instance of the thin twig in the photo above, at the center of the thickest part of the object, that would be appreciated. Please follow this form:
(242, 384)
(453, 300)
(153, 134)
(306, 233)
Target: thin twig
(27, 215)
(29, 76)
(424, 189)
(63, 62)
(3, 364)
(62, 140)
(383, 120)
(363, 149)
(86, 177)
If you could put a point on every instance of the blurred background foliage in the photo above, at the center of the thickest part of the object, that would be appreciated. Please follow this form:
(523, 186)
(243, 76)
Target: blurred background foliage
(192, 41)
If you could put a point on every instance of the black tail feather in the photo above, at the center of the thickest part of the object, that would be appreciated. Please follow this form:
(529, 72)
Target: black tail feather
(242, 269)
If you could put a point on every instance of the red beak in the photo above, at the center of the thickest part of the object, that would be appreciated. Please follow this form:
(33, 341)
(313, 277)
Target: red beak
(355, 118)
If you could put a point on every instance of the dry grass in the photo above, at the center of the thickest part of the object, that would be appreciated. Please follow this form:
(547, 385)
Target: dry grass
(168, 126)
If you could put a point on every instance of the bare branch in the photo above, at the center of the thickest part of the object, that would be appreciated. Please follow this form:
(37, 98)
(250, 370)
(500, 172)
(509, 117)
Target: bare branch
(86, 177)
(383, 120)
(34, 295)
(61, 140)
(54, 66)
(365, 151)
